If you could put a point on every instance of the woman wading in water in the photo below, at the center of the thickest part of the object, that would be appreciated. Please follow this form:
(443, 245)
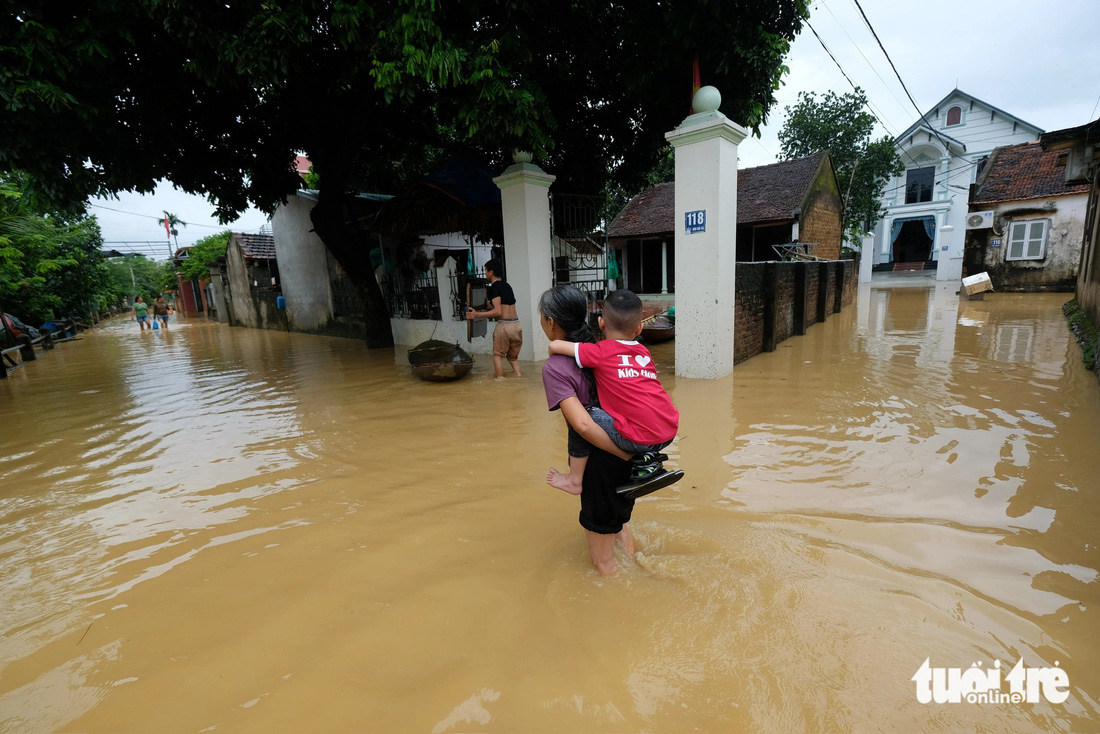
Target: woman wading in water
(604, 512)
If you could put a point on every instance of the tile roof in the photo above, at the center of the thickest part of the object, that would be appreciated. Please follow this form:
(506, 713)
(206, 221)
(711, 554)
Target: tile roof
(769, 193)
(1024, 171)
(256, 246)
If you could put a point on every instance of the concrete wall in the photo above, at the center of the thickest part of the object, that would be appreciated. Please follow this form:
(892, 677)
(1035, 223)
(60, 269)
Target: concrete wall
(1058, 269)
(303, 266)
(219, 284)
(1088, 279)
(239, 295)
(777, 300)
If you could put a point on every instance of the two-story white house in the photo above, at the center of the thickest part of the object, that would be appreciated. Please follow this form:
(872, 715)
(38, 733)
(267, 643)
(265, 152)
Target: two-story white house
(926, 206)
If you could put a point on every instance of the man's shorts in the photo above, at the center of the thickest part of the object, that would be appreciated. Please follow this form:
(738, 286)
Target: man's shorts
(507, 339)
(602, 510)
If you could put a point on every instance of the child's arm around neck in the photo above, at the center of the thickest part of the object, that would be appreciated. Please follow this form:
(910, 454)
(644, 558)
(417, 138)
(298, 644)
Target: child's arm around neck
(561, 346)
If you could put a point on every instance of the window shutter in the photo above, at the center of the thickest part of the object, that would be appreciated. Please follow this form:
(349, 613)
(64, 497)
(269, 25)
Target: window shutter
(1035, 239)
(1016, 237)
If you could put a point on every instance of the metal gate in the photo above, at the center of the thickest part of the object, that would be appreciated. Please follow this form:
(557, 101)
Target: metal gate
(579, 243)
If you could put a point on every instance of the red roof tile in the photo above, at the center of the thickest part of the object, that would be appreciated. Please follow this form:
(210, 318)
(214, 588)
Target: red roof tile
(1024, 172)
(769, 193)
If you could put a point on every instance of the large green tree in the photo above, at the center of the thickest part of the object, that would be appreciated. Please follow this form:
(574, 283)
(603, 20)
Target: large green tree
(50, 264)
(843, 126)
(218, 97)
(137, 275)
(203, 254)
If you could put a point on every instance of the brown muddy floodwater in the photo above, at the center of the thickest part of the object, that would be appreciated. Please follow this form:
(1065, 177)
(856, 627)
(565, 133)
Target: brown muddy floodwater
(219, 529)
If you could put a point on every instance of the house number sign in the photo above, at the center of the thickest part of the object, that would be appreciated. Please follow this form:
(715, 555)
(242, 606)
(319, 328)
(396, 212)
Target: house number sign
(695, 222)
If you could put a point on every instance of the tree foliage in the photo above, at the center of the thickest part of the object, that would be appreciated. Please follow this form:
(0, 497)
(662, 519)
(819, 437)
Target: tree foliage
(841, 125)
(49, 266)
(129, 277)
(205, 252)
(219, 97)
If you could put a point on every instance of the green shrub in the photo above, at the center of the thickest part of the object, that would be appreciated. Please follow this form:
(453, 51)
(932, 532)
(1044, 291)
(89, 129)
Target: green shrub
(1085, 331)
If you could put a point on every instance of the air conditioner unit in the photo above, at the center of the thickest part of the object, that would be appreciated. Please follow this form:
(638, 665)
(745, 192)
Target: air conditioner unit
(979, 220)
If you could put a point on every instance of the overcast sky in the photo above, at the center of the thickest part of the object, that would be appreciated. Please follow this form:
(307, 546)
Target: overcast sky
(1037, 61)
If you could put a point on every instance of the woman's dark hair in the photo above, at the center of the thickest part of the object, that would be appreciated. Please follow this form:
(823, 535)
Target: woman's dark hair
(568, 306)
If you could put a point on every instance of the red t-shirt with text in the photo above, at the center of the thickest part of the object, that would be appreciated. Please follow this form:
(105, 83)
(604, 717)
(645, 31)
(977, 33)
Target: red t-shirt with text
(626, 380)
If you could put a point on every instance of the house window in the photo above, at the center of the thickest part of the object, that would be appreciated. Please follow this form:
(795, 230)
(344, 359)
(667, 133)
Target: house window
(1027, 240)
(918, 184)
(954, 116)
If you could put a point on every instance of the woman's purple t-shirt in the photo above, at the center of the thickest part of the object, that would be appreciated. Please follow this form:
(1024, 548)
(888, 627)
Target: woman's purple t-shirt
(561, 379)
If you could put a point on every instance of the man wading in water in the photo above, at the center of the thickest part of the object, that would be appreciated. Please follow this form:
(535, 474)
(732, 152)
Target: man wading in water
(508, 335)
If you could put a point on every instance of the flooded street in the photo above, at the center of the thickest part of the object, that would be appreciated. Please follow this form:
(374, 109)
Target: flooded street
(224, 529)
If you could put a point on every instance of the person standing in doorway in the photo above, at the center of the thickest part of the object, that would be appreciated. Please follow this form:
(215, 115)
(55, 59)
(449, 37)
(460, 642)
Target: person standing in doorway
(141, 313)
(508, 335)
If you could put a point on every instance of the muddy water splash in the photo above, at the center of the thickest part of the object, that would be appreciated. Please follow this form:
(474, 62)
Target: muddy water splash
(222, 529)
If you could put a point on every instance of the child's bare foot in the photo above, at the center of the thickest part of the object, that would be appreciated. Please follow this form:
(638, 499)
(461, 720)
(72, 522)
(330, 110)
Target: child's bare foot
(565, 482)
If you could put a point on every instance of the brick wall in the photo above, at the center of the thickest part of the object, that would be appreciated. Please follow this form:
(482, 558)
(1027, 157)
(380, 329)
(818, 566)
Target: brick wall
(748, 309)
(812, 284)
(821, 220)
(785, 305)
(851, 284)
(822, 226)
(769, 296)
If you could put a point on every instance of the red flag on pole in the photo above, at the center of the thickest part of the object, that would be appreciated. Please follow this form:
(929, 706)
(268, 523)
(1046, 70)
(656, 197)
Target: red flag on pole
(695, 81)
(167, 228)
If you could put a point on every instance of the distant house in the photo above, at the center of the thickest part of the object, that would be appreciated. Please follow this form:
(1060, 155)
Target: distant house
(251, 282)
(1077, 148)
(790, 202)
(943, 153)
(192, 299)
(1026, 223)
(302, 165)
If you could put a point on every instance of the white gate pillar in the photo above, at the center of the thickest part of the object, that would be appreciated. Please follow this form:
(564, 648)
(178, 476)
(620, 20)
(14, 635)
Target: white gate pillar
(525, 204)
(706, 237)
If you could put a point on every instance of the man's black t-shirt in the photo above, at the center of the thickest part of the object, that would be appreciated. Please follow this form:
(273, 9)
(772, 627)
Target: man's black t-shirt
(500, 290)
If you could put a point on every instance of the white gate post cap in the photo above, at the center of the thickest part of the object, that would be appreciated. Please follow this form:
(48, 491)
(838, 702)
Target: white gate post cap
(706, 99)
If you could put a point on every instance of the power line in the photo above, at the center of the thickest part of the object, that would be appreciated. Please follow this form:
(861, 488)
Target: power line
(158, 219)
(943, 180)
(860, 51)
(874, 112)
(907, 94)
(857, 89)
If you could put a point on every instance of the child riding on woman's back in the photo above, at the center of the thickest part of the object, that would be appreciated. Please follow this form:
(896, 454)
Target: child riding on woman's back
(635, 411)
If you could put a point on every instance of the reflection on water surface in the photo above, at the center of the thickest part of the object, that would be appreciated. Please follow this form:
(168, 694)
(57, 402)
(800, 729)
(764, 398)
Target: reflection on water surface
(216, 529)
